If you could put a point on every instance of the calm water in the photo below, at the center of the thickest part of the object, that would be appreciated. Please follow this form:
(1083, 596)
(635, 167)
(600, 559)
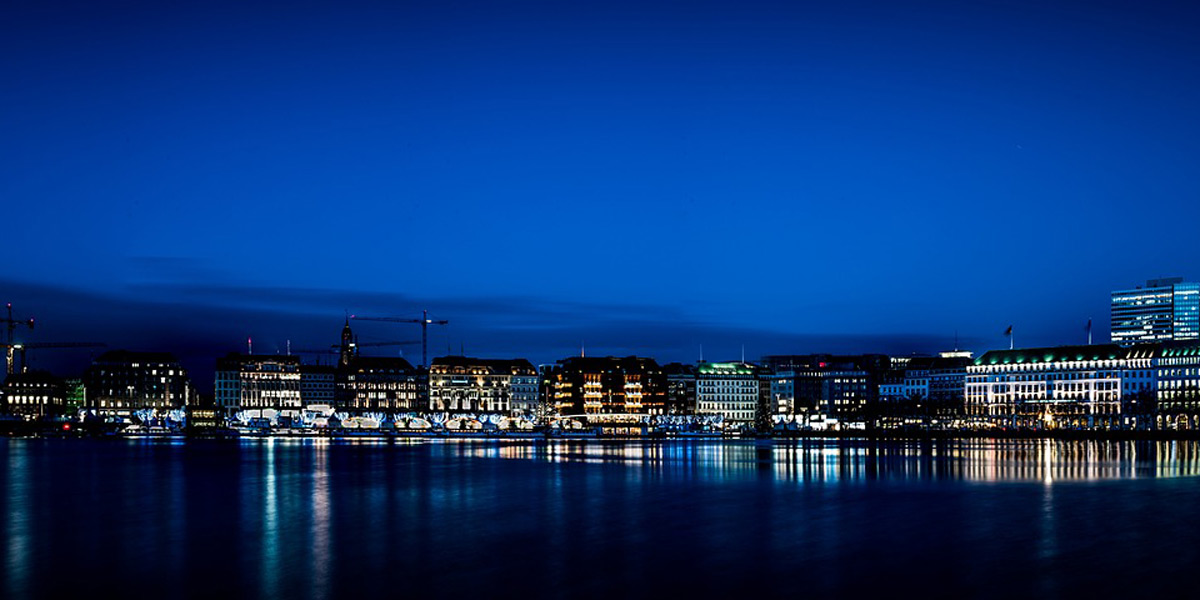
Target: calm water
(579, 519)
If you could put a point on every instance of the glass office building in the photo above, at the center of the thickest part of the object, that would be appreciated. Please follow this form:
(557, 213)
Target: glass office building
(1163, 310)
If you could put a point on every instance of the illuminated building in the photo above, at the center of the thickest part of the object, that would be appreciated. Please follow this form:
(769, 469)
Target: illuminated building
(1164, 310)
(254, 383)
(1176, 384)
(318, 385)
(1064, 386)
(840, 386)
(783, 392)
(681, 389)
(34, 394)
(463, 384)
(608, 385)
(76, 395)
(379, 384)
(120, 382)
(734, 390)
(932, 385)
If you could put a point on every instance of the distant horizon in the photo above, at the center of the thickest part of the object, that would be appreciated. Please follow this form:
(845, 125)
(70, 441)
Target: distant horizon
(205, 328)
(639, 176)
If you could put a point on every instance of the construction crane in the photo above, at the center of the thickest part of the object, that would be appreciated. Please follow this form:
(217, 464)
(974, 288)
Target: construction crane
(335, 348)
(21, 348)
(12, 324)
(424, 321)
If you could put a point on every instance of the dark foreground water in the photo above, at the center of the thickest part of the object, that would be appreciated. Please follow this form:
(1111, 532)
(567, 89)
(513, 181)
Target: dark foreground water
(1003, 519)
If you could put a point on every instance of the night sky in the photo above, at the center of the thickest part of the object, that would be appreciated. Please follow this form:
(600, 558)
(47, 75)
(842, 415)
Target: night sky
(640, 177)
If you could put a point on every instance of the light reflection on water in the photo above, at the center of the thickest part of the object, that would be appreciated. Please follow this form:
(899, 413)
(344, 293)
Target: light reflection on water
(1045, 461)
(321, 518)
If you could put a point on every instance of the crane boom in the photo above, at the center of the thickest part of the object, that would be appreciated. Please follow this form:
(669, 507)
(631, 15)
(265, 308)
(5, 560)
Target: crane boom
(21, 348)
(424, 322)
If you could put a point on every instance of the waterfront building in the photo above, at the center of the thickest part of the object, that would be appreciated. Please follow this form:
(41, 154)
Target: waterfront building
(1176, 385)
(783, 392)
(609, 386)
(75, 395)
(318, 385)
(460, 384)
(681, 389)
(925, 386)
(846, 387)
(120, 382)
(258, 384)
(34, 394)
(1163, 310)
(735, 390)
(379, 384)
(1059, 387)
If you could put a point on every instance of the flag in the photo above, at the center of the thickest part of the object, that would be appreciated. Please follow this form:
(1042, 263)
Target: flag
(1008, 331)
(1088, 327)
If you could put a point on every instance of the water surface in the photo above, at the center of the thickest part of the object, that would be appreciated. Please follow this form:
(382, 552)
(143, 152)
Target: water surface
(820, 518)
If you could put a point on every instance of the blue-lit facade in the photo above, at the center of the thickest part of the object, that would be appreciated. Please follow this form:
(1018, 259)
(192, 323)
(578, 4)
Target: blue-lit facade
(1162, 311)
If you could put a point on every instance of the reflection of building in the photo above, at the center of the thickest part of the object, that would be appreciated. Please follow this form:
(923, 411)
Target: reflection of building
(379, 384)
(608, 385)
(120, 381)
(34, 394)
(1064, 386)
(318, 384)
(463, 384)
(733, 390)
(1164, 310)
(257, 383)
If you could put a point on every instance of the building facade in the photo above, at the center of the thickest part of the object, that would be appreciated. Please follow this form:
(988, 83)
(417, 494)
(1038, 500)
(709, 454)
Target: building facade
(462, 384)
(1061, 387)
(1176, 385)
(318, 385)
(121, 382)
(846, 387)
(258, 383)
(608, 386)
(681, 389)
(379, 384)
(34, 394)
(735, 390)
(1163, 310)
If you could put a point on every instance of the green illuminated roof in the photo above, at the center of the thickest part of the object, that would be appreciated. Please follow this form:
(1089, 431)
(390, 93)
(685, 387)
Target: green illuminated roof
(1056, 354)
(727, 368)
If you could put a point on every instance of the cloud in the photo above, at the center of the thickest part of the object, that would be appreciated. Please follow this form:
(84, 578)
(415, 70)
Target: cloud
(199, 323)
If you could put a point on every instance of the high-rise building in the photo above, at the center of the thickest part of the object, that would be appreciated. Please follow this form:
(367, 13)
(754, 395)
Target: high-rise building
(1163, 310)
(120, 382)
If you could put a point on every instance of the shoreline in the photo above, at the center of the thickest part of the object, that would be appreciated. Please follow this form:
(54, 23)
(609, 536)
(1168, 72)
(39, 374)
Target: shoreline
(898, 436)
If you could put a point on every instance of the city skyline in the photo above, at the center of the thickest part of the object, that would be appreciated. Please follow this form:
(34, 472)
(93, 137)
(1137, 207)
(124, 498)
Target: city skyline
(767, 174)
(199, 333)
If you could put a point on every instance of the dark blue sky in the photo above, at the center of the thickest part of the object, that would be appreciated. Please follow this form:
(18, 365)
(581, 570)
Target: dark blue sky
(653, 176)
